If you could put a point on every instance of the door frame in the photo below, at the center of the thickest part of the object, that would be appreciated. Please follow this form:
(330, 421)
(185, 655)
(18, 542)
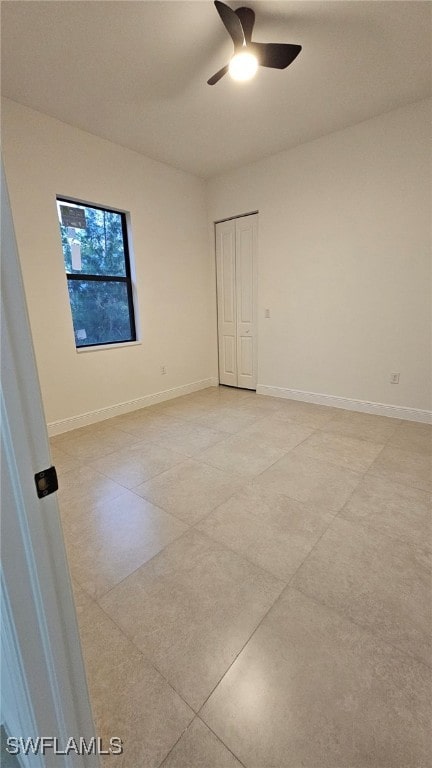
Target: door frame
(45, 689)
(221, 221)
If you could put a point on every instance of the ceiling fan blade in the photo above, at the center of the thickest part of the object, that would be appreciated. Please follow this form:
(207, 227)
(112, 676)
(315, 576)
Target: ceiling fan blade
(247, 18)
(276, 55)
(232, 23)
(215, 79)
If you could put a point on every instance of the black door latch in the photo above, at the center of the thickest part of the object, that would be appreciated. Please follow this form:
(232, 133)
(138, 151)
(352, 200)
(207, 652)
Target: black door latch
(46, 482)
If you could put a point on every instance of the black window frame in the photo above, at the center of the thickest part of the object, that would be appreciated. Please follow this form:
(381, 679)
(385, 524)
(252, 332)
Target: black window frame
(127, 278)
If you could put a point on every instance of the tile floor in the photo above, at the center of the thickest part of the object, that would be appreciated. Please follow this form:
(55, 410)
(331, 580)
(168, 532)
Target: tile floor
(253, 579)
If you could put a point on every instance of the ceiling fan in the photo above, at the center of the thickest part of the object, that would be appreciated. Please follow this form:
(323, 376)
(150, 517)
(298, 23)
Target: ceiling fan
(248, 55)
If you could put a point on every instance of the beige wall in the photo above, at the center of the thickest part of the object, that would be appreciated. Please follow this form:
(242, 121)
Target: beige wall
(344, 259)
(43, 158)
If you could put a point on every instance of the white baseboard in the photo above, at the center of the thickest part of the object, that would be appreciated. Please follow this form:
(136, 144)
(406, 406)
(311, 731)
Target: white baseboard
(74, 422)
(380, 409)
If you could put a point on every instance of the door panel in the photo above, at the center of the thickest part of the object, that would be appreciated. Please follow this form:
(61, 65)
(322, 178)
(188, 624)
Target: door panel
(228, 277)
(245, 367)
(229, 355)
(236, 257)
(245, 276)
(246, 258)
(226, 302)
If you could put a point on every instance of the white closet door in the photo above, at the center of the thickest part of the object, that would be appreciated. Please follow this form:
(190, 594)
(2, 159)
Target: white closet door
(226, 301)
(236, 258)
(246, 251)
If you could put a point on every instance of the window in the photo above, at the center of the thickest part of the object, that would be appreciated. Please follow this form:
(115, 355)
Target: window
(96, 258)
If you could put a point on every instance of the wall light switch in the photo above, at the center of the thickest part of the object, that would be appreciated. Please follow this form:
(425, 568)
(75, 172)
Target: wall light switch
(394, 378)
(267, 313)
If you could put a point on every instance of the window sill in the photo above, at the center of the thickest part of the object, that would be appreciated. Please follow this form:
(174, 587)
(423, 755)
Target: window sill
(101, 347)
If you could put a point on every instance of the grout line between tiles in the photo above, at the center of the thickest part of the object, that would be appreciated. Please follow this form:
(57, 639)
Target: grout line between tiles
(365, 524)
(150, 661)
(255, 477)
(407, 485)
(197, 717)
(146, 562)
(287, 586)
(382, 441)
(242, 649)
(182, 458)
(161, 765)
(222, 741)
(146, 659)
(366, 629)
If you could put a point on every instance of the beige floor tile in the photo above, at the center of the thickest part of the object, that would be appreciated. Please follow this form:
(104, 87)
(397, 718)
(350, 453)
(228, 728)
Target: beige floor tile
(184, 408)
(261, 406)
(270, 403)
(134, 465)
(232, 407)
(311, 689)
(198, 394)
(309, 414)
(348, 452)
(206, 391)
(188, 439)
(191, 609)
(411, 436)
(248, 394)
(240, 454)
(206, 396)
(62, 461)
(218, 405)
(116, 538)
(228, 419)
(380, 583)
(132, 417)
(130, 699)
(272, 531)
(81, 599)
(200, 748)
(176, 401)
(122, 418)
(364, 426)
(93, 441)
(280, 433)
(190, 490)
(407, 467)
(397, 510)
(311, 481)
(80, 490)
(226, 394)
(146, 427)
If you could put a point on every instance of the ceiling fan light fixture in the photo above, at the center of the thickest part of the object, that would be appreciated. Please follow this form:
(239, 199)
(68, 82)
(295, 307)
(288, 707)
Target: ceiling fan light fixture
(243, 66)
(247, 54)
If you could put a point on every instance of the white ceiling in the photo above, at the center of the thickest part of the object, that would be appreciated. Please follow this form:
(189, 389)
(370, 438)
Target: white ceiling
(136, 72)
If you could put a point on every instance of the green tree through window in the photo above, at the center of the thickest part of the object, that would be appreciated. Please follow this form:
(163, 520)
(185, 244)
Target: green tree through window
(96, 258)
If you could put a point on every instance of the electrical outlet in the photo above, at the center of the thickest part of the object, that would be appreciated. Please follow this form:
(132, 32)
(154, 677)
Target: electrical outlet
(267, 313)
(394, 378)
(163, 370)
